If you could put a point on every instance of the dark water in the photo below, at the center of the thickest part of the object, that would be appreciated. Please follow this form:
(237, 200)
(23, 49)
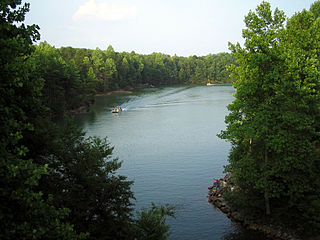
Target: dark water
(166, 138)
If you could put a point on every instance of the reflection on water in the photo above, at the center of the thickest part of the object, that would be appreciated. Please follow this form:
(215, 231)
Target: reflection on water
(166, 138)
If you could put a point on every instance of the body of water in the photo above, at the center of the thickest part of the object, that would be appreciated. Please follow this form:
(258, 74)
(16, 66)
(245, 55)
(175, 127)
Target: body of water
(166, 138)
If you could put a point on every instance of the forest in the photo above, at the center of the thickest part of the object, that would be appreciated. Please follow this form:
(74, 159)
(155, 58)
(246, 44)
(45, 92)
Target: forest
(73, 76)
(58, 184)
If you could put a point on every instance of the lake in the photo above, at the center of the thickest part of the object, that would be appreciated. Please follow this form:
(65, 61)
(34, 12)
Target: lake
(166, 138)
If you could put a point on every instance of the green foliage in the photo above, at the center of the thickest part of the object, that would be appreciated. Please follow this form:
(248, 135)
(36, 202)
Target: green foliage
(64, 89)
(151, 223)
(55, 184)
(273, 123)
(82, 178)
(250, 204)
(315, 9)
(25, 213)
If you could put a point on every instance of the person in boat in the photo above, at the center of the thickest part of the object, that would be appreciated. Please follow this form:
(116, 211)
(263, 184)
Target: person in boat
(116, 109)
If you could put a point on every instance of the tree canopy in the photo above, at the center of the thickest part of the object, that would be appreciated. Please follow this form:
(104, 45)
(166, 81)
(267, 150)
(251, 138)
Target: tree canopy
(24, 212)
(72, 75)
(273, 123)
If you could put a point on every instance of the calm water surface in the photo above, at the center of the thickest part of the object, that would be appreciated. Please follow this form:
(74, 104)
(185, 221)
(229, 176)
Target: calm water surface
(166, 138)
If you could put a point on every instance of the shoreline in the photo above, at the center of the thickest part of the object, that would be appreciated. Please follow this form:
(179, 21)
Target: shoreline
(126, 90)
(216, 198)
(85, 109)
(113, 93)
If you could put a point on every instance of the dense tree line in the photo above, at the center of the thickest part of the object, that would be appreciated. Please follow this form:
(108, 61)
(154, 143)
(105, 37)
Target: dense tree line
(72, 75)
(274, 121)
(54, 182)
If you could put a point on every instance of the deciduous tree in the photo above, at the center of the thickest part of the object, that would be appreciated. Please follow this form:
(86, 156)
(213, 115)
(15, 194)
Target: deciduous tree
(24, 212)
(273, 123)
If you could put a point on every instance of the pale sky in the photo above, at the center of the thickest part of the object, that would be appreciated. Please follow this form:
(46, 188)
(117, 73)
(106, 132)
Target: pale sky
(182, 27)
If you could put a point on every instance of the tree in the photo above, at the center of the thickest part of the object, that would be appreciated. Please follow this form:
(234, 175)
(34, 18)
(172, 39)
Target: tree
(124, 73)
(91, 81)
(110, 53)
(111, 74)
(98, 60)
(151, 223)
(24, 212)
(73, 85)
(258, 69)
(273, 123)
(82, 178)
(299, 129)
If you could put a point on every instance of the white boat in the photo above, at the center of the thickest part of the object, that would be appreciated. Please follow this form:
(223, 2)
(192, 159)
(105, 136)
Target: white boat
(210, 84)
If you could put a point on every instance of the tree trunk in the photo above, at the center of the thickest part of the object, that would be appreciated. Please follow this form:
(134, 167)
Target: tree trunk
(267, 202)
(266, 191)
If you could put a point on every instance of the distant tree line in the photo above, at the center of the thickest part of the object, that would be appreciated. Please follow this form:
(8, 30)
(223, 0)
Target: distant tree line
(274, 121)
(73, 75)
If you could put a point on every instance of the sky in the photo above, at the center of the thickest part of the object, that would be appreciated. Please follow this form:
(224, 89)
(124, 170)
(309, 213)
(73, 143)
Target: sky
(181, 27)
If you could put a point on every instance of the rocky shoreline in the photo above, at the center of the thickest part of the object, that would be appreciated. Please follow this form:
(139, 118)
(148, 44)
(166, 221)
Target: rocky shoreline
(215, 196)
